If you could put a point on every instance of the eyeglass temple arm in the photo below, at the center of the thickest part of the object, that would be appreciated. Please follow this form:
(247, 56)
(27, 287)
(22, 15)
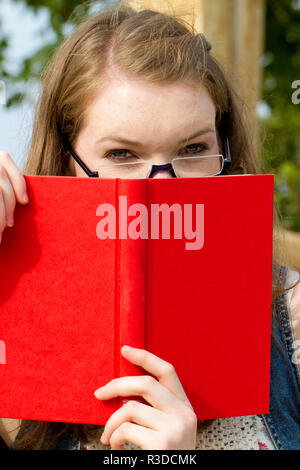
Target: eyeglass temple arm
(228, 153)
(91, 174)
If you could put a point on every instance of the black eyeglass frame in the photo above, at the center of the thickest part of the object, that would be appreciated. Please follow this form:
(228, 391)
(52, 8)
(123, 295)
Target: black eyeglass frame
(155, 168)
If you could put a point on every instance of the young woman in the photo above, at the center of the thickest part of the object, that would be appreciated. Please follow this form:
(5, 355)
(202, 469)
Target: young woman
(134, 87)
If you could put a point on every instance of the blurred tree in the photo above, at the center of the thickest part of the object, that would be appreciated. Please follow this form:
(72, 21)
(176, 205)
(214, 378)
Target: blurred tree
(281, 129)
(63, 16)
(281, 63)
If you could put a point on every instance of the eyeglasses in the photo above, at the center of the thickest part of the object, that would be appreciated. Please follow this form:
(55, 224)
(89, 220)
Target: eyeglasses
(180, 167)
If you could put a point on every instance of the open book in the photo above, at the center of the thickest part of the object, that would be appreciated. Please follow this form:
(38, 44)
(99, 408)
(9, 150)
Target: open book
(179, 267)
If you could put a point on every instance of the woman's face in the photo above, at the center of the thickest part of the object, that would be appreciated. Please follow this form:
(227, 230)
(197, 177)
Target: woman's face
(158, 119)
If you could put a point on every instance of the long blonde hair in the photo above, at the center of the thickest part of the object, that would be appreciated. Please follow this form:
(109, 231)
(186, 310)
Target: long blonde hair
(156, 47)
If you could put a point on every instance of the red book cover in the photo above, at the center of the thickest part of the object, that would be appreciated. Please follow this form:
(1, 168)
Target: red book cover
(181, 267)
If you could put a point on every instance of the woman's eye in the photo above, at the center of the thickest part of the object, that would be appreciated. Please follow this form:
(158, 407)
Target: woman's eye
(125, 155)
(196, 148)
(116, 155)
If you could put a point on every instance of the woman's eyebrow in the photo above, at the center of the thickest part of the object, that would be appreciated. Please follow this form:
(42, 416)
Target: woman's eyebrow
(123, 140)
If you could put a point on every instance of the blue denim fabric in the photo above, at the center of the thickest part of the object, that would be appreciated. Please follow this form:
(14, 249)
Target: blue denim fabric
(283, 419)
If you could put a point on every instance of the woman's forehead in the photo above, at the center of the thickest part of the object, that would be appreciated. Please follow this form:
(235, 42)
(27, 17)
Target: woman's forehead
(130, 101)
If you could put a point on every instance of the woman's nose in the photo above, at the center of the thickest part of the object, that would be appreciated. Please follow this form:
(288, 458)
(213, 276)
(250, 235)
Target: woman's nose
(162, 174)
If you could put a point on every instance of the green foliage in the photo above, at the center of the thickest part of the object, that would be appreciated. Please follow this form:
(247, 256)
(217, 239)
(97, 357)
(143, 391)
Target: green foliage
(3, 48)
(61, 13)
(281, 131)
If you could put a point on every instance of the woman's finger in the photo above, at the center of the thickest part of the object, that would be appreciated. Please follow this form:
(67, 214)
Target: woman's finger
(15, 176)
(162, 370)
(8, 196)
(137, 435)
(142, 385)
(136, 412)
(2, 213)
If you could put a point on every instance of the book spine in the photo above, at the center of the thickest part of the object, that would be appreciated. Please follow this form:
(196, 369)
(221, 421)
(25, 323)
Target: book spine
(131, 269)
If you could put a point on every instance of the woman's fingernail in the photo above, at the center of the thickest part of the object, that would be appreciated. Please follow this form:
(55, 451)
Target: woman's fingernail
(99, 393)
(10, 220)
(25, 198)
(126, 348)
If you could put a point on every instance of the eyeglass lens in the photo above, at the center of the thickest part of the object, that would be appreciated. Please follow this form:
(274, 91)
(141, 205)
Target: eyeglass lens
(187, 167)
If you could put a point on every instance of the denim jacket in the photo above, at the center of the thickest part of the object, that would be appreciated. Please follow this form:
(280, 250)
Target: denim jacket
(283, 419)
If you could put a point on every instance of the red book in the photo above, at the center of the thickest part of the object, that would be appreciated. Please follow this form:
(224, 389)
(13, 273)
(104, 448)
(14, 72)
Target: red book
(181, 267)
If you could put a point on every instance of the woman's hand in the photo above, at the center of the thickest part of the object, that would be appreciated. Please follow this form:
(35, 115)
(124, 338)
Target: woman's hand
(169, 423)
(12, 189)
